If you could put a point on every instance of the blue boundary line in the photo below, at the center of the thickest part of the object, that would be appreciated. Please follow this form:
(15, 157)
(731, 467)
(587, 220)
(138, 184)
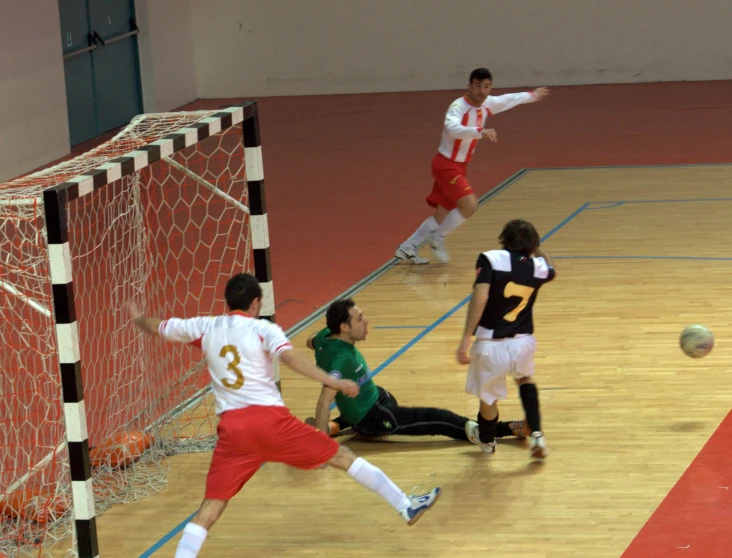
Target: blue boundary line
(163, 541)
(427, 329)
(591, 205)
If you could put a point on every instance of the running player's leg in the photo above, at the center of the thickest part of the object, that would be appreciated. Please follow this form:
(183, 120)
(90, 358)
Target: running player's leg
(230, 469)
(302, 446)
(453, 200)
(369, 476)
(489, 363)
(522, 369)
(453, 193)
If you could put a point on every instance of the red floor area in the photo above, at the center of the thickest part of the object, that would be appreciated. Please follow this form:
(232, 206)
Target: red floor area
(346, 175)
(695, 518)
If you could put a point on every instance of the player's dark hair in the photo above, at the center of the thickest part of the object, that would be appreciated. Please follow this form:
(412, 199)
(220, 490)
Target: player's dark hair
(338, 313)
(519, 236)
(480, 74)
(241, 290)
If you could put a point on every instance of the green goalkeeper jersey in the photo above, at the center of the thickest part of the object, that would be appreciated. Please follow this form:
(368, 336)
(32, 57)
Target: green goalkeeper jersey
(344, 361)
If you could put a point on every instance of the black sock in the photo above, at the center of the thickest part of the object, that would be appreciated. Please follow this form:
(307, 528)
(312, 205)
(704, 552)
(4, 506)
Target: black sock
(487, 429)
(530, 401)
(503, 430)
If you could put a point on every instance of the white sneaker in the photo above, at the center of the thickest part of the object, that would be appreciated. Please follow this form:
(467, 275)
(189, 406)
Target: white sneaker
(410, 256)
(437, 243)
(420, 504)
(488, 448)
(538, 447)
(472, 431)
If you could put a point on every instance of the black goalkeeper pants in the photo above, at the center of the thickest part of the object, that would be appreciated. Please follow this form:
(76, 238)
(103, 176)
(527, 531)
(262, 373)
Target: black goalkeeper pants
(387, 417)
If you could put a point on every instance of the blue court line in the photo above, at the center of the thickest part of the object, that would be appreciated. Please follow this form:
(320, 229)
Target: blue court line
(166, 538)
(158, 545)
(399, 327)
(640, 258)
(612, 204)
(576, 212)
(690, 200)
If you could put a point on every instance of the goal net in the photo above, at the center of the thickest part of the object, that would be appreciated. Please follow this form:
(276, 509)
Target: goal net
(160, 215)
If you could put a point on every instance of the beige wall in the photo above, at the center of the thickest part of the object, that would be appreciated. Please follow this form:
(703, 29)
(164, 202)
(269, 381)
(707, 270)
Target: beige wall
(166, 54)
(33, 118)
(253, 48)
(291, 47)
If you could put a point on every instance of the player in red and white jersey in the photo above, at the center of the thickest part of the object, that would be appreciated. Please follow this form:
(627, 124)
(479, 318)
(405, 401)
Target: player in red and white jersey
(452, 196)
(255, 425)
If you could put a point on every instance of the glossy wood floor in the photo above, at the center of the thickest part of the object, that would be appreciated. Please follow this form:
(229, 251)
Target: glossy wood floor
(624, 411)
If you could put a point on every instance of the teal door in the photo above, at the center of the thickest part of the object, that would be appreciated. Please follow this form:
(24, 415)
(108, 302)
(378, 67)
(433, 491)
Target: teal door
(101, 65)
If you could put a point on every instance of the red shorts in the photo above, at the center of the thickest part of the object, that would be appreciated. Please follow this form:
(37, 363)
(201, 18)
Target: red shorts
(251, 436)
(450, 183)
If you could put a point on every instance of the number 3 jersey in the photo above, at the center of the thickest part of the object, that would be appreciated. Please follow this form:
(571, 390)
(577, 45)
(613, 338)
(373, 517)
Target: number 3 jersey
(514, 281)
(240, 353)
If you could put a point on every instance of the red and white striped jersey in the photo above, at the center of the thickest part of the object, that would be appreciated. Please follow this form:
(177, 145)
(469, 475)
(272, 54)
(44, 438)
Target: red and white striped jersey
(464, 123)
(239, 351)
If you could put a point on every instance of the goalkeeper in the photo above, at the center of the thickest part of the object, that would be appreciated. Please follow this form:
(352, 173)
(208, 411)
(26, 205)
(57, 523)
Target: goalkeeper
(375, 411)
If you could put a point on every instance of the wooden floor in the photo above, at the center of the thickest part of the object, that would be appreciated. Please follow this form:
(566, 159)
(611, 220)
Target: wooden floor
(624, 411)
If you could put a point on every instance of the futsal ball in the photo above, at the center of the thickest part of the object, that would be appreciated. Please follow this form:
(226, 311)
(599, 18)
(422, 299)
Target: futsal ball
(696, 341)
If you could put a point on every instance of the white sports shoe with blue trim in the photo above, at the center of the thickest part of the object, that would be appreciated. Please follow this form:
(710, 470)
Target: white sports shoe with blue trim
(420, 504)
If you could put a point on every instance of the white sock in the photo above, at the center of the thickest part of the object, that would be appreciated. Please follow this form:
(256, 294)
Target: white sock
(420, 235)
(452, 221)
(375, 480)
(191, 542)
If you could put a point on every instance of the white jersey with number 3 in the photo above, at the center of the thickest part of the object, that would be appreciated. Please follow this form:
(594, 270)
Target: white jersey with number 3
(240, 351)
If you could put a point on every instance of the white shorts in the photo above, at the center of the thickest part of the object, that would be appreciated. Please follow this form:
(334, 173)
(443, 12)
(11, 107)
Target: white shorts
(491, 360)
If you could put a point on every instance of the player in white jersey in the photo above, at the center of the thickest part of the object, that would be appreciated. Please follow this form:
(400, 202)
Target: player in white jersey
(255, 426)
(452, 196)
(500, 316)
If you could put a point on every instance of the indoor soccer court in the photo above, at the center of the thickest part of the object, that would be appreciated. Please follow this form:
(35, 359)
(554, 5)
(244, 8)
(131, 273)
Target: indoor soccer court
(635, 211)
(634, 428)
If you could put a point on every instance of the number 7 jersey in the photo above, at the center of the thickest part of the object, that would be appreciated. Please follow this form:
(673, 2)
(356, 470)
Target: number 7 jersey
(514, 281)
(240, 352)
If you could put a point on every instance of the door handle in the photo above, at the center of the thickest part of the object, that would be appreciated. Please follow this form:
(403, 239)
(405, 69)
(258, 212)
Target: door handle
(92, 45)
(94, 37)
(131, 33)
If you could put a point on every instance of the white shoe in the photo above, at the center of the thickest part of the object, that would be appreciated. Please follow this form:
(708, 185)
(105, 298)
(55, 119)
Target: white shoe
(420, 504)
(488, 448)
(538, 447)
(410, 256)
(472, 431)
(437, 243)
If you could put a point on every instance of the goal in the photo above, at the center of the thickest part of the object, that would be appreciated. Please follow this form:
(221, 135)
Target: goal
(90, 408)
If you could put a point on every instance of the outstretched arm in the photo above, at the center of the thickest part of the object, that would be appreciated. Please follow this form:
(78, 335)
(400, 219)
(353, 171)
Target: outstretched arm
(151, 326)
(303, 366)
(502, 103)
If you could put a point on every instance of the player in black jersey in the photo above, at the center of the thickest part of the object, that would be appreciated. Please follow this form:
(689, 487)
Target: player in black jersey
(500, 317)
